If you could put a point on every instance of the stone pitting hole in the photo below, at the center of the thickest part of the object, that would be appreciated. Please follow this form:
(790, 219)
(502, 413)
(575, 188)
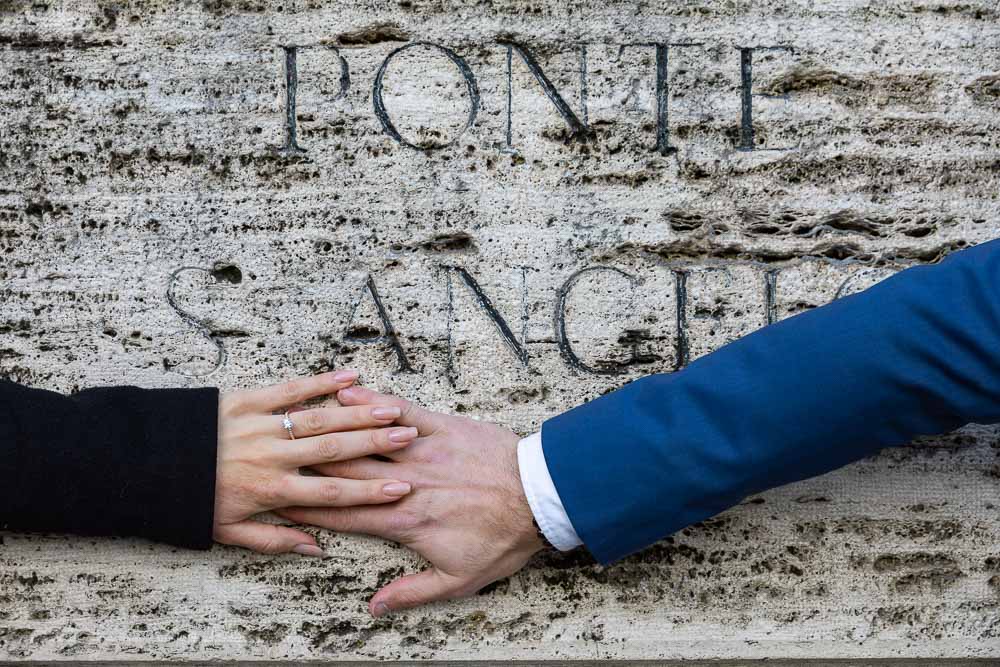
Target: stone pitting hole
(362, 332)
(227, 273)
(373, 34)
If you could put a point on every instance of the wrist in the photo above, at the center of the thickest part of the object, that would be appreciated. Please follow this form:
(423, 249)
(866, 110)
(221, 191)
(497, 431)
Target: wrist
(528, 536)
(550, 516)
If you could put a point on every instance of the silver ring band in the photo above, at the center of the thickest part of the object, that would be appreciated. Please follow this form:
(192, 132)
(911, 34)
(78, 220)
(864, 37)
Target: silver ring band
(289, 426)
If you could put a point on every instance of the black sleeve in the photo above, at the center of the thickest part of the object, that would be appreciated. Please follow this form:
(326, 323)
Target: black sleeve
(109, 461)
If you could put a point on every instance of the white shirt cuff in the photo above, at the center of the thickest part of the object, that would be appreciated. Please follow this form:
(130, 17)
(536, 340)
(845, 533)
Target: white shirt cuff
(542, 496)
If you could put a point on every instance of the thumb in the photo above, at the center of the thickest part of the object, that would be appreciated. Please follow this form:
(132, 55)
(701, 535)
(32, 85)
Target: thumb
(414, 590)
(267, 538)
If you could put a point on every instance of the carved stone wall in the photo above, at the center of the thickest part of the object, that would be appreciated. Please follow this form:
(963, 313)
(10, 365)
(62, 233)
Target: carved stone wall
(500, 209)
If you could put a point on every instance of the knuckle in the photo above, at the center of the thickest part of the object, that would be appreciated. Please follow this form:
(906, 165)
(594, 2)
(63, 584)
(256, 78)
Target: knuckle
(270, 546)
(314, 420)
(378, 440)
(327, 519)
(403, 523)
(232, 404)
(330, 492)
(373, 492)
(339, 469)
(328, 449)
(345, 522)
(406, 407)
(408, 598)
(291, 390)
(270, 492)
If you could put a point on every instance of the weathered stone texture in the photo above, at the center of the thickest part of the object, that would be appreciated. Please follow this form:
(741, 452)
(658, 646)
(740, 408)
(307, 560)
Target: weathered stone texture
(156, 229)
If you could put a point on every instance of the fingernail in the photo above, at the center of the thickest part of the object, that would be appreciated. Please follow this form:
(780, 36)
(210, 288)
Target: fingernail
(396, 489)
(347, 391)
(345, 376)
(402, 434)
(385, 413)
(381, 609)
(309, 550)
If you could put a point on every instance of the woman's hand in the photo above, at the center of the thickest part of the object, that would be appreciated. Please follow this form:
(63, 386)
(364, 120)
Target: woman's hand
(258, 463)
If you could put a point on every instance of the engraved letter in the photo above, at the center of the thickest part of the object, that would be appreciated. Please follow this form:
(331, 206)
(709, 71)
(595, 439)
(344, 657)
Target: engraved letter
(770, 295)
(562, 337)
(746, 86)
(578, 128)
(683, 346)
(389, 332)
(487, 306)
(291, 88)
(663, 97)
(463, 68)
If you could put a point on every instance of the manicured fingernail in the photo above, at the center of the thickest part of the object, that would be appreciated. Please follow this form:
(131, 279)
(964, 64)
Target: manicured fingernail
(345, 376)
(385, 413)
(396, 489)
(402, 434)
(347, 392)
(381, 609)
(309, 550)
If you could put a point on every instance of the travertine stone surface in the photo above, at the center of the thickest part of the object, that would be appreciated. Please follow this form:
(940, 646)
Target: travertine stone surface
(160, 226)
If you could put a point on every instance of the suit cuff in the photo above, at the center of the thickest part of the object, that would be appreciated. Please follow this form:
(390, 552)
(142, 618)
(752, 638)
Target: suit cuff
(542, 496)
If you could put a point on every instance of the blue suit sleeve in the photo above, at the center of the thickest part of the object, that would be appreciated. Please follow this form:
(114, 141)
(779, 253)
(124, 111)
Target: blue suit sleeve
(917, 354)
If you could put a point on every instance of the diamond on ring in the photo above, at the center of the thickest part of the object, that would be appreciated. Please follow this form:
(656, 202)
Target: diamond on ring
(287, 423)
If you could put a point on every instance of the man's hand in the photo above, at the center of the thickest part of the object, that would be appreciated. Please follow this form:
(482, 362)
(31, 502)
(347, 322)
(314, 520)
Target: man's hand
(467, 513)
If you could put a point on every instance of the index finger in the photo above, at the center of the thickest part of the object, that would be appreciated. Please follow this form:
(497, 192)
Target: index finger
(425, 421)
(286, 394)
